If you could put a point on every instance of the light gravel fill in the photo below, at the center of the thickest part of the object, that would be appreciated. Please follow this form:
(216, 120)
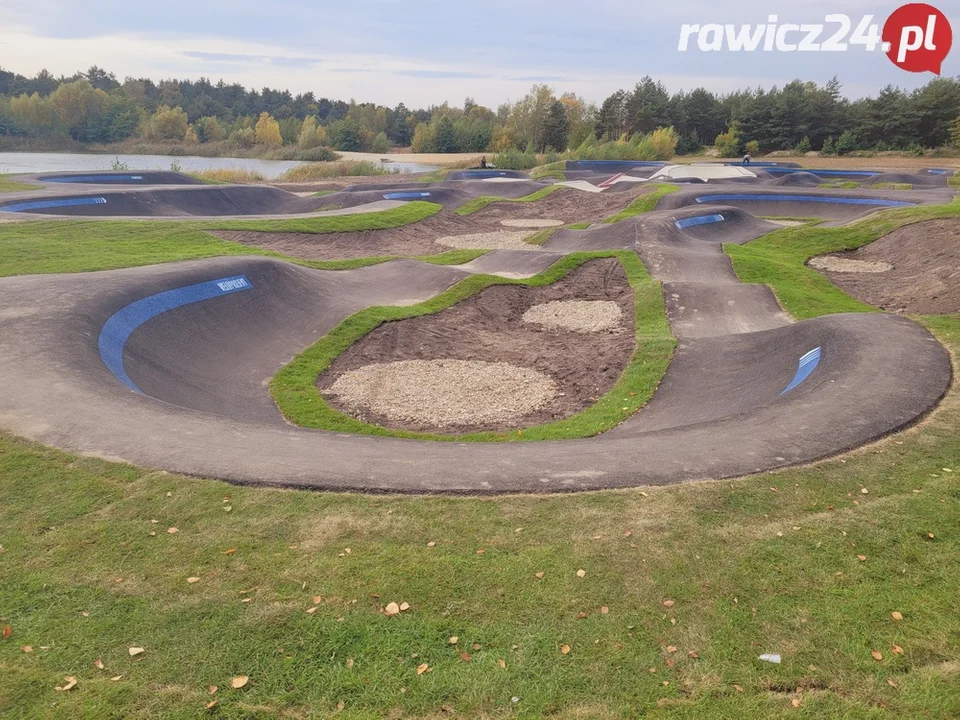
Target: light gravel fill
(586, 316)
(444, 393)
(844, 265)
(531, 223)
(500, 240)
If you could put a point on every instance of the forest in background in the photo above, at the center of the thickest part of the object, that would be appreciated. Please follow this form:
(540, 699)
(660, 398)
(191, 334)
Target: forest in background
(96, 110)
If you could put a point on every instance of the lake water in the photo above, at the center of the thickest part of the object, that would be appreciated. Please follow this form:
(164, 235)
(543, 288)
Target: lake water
(32, 162)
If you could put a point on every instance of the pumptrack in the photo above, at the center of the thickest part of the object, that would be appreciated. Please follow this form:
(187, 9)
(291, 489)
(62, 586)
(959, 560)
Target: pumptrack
(167, 366)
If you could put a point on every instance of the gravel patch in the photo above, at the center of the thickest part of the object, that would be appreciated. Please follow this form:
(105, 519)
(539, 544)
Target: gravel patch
(585, 316)
(845, 265)
(502, 240)
(445, 392)
(531, 223)
(787, 223)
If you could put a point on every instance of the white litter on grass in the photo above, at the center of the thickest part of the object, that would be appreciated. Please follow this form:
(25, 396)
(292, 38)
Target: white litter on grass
(831, 263)
(531, 223)
(586, 316)
(499, 240)
(445, 393)
(771, 658)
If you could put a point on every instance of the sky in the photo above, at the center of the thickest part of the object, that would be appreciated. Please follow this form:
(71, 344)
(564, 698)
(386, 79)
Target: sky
(425, 52)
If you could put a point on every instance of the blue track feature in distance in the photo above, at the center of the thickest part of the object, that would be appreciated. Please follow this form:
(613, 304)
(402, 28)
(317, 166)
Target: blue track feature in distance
(405, 195)
(44, 204)
(805, 198)
(483, 173)
(699, 220)
(120, 325)
(822, 173)
(939, 172)
(807, 364)
(94, 178)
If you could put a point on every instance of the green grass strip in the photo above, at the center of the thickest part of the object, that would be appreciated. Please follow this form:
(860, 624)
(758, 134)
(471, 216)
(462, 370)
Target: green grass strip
(893, 186)
(295, 391)
(14, 186)
(845, 185)
(68, 246)
(478, 203)
(779, 259)
(645, 203)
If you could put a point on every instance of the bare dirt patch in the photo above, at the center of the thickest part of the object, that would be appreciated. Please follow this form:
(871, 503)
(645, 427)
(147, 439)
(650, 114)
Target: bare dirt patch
(832, 263)
(568, 206)
(489, 327)
(925, 274)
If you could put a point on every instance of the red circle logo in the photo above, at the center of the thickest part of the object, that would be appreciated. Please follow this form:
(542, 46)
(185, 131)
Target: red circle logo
(917, 37)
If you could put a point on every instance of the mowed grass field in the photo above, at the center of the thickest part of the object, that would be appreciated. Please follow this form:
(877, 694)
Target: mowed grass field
(156, 593)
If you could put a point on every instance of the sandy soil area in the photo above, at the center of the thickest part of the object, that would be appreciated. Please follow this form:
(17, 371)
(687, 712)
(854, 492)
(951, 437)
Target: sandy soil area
(419, 239)
(925, 273)
(489, 327)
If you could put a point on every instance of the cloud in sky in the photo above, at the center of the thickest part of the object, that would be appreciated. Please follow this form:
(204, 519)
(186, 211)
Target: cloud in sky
(426, 52)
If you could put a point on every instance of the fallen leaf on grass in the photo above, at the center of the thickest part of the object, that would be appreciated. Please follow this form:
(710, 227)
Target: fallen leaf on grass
(341, 705)
(862, 558)
(349, 662)
(669, 603)
(210, 705)
(877, 655)
(581, 573)
(431, 544)
(7, 631)
(693, 654)
(27, 648)
(896, 615)
(98, 664)
(475, 646)
(231, 551)
(404, 606)
(565, 649)
(239, 682)
(891, 683)
(795, 702)
(421, 669)
(738, 688)
(501, 663)
(481, 551)
(70, 684)
(172, 530)
(212, 690)
(453, 640)
(465, 656)
(311, 611)
(115, 678)
(391, 609)
(539, 575)
(193, 579)
(134, 651)
(317, 599)
(897, 650)
(604, 610)
(671, 648)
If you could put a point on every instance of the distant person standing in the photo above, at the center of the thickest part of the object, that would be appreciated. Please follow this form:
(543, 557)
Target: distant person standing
(483, 162)
(746, 159)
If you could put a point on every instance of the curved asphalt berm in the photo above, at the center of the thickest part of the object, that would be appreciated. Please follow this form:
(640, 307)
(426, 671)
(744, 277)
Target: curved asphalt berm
(167, 367)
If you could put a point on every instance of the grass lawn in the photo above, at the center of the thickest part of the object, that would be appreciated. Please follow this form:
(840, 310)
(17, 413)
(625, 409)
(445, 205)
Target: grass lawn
(479, 203)
(7, 185)
(682, 587)
(83, 246)
(295, 391)
(645, 203)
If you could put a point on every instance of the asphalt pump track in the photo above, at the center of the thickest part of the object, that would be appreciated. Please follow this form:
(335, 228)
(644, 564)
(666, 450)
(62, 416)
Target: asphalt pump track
(168, 366)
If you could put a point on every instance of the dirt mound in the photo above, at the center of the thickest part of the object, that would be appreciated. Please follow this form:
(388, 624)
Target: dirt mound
(489, 327)
(925, 273)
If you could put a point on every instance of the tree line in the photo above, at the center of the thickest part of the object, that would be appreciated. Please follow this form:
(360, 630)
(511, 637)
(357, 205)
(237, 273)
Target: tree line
(95, 107)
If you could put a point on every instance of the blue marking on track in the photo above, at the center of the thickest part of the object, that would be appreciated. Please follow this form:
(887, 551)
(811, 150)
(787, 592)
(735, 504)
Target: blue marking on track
(43, 204)
(699, 220)
(823, 173)
(405, 195)
(939, 172)
(484, 173)
(806, 198)
(93, 178)
(116, 331)
(807, 364)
